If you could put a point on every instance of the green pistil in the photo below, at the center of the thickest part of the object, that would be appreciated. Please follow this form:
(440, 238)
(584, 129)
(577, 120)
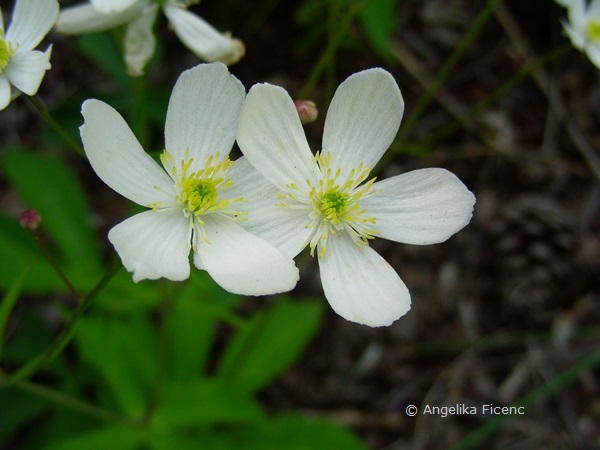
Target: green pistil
(199, 195)
(592, 29)
(332, 206)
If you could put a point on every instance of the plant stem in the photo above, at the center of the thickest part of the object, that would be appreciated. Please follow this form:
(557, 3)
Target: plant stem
(75, 404)
(37, 104)
(62, 339)
(334, 40)
(10, 298)
(447, 67)
(496, 95)
(55, 266)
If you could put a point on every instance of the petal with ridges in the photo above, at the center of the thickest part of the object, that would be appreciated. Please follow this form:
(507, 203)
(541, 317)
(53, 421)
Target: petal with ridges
(241, 262)
(119, 159)
(80, 19)
(31, 21)
(362, 120)
(285, 228)
(360, 285)
(421, 207)
(154, 244)
(109, 6)
(272, 138)
(203, 113)
(26, 70)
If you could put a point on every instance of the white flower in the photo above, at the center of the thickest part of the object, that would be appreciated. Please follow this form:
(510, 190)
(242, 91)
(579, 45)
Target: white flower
(323, 201)
(193, 203)
(139, 17)
(20, 64)
(583, 28)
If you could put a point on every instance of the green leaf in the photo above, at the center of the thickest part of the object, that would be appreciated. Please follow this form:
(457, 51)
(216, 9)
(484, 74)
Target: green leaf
(289, 432)
(123, 352)
(19, 251)
(378, 24)
(191, 322)
(269, 343)
(203, 402)
(47, 185)
(191, 332)
(114, 437)
(23, 408)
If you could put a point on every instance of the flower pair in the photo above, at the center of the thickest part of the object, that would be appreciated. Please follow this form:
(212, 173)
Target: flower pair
(139, 17)
(245, 220)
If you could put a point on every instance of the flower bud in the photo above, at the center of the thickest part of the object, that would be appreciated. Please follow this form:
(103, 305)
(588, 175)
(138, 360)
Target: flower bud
(30, 219)
(307, 110)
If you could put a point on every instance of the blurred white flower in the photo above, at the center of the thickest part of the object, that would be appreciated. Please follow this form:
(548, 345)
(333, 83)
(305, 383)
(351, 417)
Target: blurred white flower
(20, 64)
(139, 16)
(193, 203)
(583, 27)
(322, 201)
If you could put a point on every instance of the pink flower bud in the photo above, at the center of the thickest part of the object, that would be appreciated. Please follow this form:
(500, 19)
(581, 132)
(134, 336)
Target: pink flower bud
(30, 219)
(307, 110)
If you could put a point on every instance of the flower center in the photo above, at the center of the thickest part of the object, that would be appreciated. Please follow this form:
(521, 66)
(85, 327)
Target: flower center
(334, 204)
(200, 192)
(592, 30)
(198, 195)
(5, 52)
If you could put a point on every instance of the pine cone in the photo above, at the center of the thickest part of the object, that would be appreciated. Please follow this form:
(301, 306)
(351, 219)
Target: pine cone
(534, 245)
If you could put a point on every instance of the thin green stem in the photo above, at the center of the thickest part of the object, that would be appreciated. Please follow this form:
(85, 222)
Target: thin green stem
(40, 243)
(335, 39)
(37, 104)
(445, 70)
(62, 339)
(496, 95)
(10, 298)
(75, 404)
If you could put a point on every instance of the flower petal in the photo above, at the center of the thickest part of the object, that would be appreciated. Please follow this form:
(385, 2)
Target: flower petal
(285, 228)
(4, 91)
(360, 285)
(577, 15)
(363, 119)
(421, 207)
(271, 136)
(202, 39)
(140, 41)
(31, 21)
(26, 70)
(241, 262)
(108, 6)
(118, 158)
(203, 113)
(80, 19)
(154, 244)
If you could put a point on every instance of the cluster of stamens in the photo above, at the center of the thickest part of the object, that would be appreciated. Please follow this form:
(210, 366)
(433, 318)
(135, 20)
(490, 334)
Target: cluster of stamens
(198, 192)
(334, 204)
(6, 51)
(592, 30)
